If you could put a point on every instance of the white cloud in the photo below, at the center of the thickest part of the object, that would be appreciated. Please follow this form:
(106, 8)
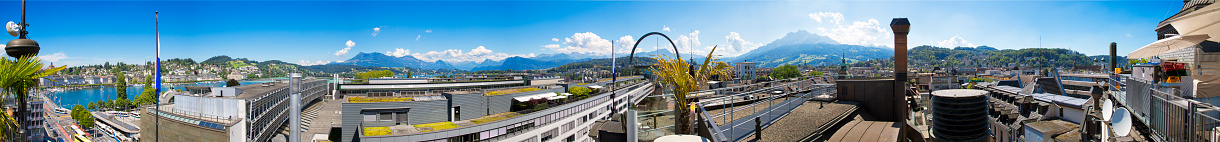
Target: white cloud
(319, 62)
(376, 30)
(736, 46)
(832, 17)
(624, 44)
(954, 41)
(555, 39)
(866, 33)
(428, 31)
(344, 50)
(417, 37)
(399, 52)
(1128, 35)
(478, 55)
(53, 57)
(687, 43)
(584, 43)
(665, 29)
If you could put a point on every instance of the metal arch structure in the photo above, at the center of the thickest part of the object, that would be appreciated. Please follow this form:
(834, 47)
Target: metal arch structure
(631, 57)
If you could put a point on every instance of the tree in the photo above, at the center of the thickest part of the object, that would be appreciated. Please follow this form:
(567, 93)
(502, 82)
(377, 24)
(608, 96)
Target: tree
(815, 73)
(101, 104)
(785, 72)
(92, 106)
(580, 92)
(675, 73)
(82, 116)
(121, 85)
(17, 78)
(232, 82)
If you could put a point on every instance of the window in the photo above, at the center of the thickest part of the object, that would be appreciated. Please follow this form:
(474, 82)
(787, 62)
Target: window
(402, 118)
(370, 116)
(385, 116)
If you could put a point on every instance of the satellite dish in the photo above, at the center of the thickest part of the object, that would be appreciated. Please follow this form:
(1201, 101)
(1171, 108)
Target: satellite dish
(12, 28)
(1107, 110)
(1121, 123)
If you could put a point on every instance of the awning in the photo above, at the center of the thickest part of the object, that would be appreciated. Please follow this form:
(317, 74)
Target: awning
(1167, 45)
(547, 95)
(1202, 21)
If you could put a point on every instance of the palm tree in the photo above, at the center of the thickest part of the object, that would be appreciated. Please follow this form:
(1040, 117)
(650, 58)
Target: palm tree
(677, 75)
(17, 77)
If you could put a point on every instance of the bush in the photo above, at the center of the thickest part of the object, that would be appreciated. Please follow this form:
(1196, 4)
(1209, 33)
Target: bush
(378, 100)
(436, 126)
(580, 92)
(376, 131)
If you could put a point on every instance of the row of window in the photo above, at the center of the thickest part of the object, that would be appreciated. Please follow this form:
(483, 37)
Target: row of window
(512, 130)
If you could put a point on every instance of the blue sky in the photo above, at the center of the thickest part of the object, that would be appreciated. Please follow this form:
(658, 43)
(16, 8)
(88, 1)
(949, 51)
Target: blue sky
(315, 32)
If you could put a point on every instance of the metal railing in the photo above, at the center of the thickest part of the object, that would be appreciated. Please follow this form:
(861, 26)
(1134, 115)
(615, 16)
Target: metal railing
(1169, 116)
(735, 129)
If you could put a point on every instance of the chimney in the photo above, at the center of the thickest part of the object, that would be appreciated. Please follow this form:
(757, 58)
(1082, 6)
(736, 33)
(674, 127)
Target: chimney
(901, 27)
(1113, 56)
(294, 107)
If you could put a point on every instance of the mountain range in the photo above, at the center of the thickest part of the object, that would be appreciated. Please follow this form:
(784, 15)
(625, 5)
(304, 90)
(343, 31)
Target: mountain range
(802, 47)
(382, 60)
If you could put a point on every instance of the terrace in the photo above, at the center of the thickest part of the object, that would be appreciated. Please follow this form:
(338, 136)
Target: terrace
(376, 129)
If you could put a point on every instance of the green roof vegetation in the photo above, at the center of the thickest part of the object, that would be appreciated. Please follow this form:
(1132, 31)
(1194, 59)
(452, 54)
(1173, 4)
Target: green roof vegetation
(376, 131)
(495, 117)
(436, 126)
(510, 91)
(378, 100)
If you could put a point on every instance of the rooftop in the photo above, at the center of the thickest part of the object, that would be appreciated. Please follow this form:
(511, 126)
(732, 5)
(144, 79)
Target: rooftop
(256, 90)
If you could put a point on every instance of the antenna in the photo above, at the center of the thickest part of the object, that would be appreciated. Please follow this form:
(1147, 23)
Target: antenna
(1121, 123)
(1107, 110)
(12, 28)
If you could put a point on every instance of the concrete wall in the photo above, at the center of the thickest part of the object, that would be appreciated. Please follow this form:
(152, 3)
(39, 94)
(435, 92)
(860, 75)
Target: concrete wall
(420, 112)
(177, 131)
(876, 96)
(472, 104)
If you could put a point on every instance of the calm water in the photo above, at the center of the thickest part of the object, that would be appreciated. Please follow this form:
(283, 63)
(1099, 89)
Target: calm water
(70, 98)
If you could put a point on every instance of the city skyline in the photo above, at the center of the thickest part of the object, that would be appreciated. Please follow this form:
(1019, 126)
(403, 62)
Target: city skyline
(85, 33)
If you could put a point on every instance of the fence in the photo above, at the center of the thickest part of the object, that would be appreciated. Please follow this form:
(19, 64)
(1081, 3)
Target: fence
(1169, 117)
(734, 128)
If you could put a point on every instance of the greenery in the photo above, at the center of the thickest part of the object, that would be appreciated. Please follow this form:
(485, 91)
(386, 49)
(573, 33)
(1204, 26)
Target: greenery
(378, 100)
(674, 73)
(510, 91)
(785, 72)
(495, 117)
(232, 83)
(436, 126)
(815, 73)
(82, 116)
(376, 131)
(984, 56)
(149, 96)
(17, 78)
(580, 92)
(121, 85)
(374, 74)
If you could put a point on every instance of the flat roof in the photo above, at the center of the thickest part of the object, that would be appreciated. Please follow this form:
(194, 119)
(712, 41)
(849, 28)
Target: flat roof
(867, 131)
(1060, 99)
(256, 90)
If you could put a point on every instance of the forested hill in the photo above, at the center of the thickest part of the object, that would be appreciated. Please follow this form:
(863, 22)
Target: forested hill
(984, 56)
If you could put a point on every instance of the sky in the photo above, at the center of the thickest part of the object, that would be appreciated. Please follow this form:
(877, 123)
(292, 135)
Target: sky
(78, 33)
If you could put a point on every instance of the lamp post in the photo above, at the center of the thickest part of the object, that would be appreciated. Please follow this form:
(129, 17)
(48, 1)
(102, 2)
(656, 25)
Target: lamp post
(22, 46)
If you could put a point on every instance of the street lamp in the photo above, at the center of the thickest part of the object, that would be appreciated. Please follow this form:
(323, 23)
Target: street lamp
(21, 46)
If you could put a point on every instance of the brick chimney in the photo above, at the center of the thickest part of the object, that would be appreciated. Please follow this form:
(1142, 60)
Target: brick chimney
(900, 26)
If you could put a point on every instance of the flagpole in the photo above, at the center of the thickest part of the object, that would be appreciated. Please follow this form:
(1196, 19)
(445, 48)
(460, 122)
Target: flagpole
(157, 96)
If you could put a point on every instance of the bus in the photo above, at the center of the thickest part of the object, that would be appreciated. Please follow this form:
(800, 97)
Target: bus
(80, 138)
